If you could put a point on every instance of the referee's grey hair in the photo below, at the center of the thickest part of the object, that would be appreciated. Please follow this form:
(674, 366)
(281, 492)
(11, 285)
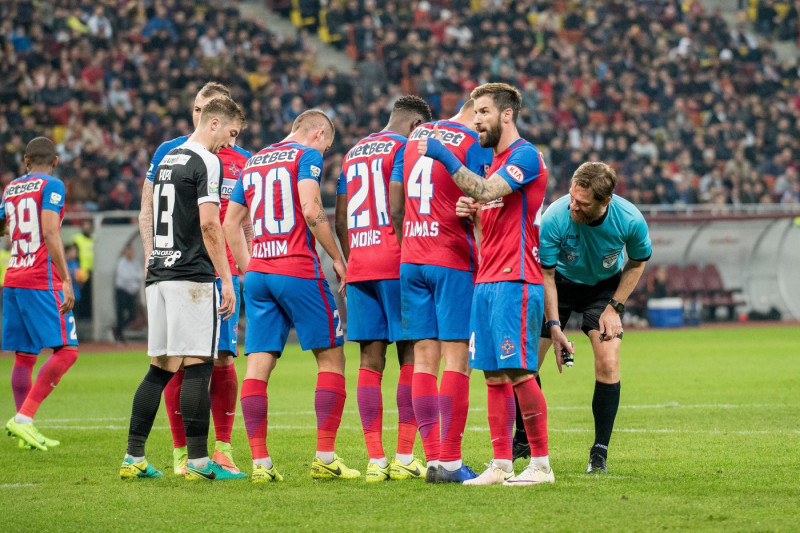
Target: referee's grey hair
(597, 176)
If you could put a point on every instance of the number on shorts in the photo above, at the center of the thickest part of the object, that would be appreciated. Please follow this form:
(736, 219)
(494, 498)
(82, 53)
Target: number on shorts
(358, 217)
(73, 331)
(420, 184)
(24, 219)
(272, 206)
(165, 228)
(338, 321)
(472, 346)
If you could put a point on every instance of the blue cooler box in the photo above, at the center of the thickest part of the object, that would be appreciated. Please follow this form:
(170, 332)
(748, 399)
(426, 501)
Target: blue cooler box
(665, 312)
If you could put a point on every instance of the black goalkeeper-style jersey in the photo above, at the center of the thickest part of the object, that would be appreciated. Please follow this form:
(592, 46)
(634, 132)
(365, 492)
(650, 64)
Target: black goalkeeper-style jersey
(187, 177)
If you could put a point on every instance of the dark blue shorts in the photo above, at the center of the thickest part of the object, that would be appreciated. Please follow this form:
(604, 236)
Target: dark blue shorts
(275, 303)
(31, 321)
(435, 302)
(506, 320)
(373, 310)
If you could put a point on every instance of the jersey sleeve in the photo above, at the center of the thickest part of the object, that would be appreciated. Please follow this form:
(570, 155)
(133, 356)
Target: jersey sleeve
(53, 195)
(245, 153)
(397, 165)
(161, 151)
(478, 159)
(521, 168)
(208, 184)
(638, 244)
(237, 195)
(3, 206)
(341, 184)
(549, 241)
(310, 166)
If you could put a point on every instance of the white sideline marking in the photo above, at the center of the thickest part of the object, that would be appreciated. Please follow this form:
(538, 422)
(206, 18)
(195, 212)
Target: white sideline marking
(668, 405)
(16, 485)
(486, 429)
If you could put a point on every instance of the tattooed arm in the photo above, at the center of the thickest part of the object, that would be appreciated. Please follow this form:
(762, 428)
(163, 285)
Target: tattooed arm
(473, 185)
(318, 223)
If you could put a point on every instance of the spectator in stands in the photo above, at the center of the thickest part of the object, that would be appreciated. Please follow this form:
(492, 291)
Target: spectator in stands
(128, 283)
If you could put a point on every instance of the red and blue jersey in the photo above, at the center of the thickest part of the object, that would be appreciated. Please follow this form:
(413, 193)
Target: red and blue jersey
(367, 169)
(24, 199)
(233, 161)
(282, 241)
(432, 233)
(510, 248)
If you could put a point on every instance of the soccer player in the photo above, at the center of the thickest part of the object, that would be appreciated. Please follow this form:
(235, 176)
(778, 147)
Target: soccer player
(38, 295)
(585, 271)
(182, 299)
(509, 295)
(438, 262)
(224, 382)
(372, 250)
(284, 286)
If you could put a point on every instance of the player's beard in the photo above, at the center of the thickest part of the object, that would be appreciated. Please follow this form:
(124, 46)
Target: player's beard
(490, 137)
(585, 218)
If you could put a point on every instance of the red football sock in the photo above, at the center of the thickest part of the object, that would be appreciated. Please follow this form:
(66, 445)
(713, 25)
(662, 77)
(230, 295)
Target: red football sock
(425, 398)
(534, 415)
(21, 375)
(47, 379)
(254, 410)
(407, 423)
(223, 391)
(172, 403)
(370, 407)
(453, 406)
(502, 412)
(329, 399)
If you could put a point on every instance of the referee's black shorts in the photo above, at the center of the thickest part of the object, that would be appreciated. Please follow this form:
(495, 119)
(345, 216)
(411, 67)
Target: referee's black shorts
(589, 300)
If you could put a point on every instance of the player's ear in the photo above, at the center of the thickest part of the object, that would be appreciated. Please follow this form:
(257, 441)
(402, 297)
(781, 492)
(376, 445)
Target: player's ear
(55, 161)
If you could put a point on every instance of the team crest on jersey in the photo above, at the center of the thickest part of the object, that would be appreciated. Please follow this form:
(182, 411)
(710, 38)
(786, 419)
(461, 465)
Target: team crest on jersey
(507, 347)
(55, 198)
(610, 260)
(315, 171)
(515, 172)
(235, 170)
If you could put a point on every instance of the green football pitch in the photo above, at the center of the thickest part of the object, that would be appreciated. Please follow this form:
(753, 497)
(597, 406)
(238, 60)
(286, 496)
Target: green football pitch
(707, 438)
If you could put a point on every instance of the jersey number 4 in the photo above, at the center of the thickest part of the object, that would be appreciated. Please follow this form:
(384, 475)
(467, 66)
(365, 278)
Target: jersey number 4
(23, 219)
(420, 184)
(272, 207)
(358, 216)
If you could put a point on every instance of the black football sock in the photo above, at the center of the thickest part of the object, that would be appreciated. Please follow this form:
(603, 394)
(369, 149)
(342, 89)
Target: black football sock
(145, 407)
(604, 407)
(539, 381)
(195, 407)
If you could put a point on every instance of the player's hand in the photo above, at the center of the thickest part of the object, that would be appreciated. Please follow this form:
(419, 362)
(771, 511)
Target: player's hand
(69, 298)
(228, 303)
(560, 343)
(466, 207)
(341, 275)
(431, 146)
(610, 325)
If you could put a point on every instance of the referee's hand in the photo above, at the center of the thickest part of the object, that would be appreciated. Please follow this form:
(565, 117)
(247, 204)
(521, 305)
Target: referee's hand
(228, 300)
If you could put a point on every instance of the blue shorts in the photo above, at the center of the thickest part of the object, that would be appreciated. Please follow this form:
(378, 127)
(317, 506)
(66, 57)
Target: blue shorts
(31, 321)
(229, 329)
(435, 302)
(275, 303)
(373, 310)
(506, 321)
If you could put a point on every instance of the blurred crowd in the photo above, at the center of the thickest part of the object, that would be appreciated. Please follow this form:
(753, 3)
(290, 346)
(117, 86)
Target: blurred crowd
(686, 107)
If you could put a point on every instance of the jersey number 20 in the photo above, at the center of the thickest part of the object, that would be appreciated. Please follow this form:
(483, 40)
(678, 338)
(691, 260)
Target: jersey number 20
(272, 207)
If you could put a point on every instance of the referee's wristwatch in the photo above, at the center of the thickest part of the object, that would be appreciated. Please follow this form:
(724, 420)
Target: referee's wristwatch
(552, 323)
(619, 307)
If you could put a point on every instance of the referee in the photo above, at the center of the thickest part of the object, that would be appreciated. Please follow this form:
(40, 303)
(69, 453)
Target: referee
(583, 235)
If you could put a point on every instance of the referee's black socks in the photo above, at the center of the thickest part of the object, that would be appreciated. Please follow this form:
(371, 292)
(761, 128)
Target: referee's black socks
(605, 404)
(145, 407)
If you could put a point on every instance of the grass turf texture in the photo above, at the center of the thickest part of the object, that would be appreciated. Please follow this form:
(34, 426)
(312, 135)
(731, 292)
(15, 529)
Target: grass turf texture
(706, 439)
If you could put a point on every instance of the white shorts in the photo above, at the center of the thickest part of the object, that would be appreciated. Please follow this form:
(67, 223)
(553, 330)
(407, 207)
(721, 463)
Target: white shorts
(182, 319)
